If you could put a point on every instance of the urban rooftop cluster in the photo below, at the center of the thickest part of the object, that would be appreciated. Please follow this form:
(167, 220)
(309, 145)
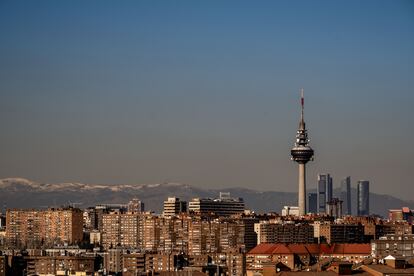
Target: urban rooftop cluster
(206, 235)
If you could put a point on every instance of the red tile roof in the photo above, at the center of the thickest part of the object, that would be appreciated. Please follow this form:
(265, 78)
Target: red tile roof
(304, 248)
(263, 248)
(352, 248)
(280, 248)
(313, 248)
(325, 249)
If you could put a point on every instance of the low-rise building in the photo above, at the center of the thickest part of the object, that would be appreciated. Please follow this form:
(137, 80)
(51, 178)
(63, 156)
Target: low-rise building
(290, 211)
(52, 265)
(402, 214)
(395, 245)
(298, 256)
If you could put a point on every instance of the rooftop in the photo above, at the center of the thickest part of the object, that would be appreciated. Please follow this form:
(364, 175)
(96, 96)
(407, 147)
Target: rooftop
(387, 270)
(280, 248)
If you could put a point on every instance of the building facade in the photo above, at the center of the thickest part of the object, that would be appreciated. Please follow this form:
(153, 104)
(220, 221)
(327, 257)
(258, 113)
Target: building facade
(342, 233)
(395, 245)
(60, 265)
(268, 232)
(121, 229)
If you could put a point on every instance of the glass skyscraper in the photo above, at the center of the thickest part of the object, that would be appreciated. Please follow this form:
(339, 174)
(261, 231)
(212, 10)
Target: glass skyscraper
(363, 198)
(325, 191)
(346, 195)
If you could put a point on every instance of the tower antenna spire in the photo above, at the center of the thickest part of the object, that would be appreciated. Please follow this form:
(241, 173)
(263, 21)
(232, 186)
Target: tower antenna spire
(302, 104)
(302, 98)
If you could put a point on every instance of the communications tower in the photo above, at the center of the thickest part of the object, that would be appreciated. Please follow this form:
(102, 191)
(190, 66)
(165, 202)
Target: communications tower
(302, 153)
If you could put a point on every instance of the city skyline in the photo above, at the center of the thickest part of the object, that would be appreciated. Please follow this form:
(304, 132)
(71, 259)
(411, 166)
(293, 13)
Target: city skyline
(206, 94)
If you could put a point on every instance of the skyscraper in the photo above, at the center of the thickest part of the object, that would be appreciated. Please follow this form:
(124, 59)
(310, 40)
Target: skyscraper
(325, 191)
(313, 203)
(329, 189)
(302, 153)
(321, 197)
(363, 197)
(345, 195)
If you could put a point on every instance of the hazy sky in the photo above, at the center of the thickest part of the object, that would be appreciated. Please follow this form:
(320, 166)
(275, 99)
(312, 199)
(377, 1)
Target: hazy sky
(207, 92)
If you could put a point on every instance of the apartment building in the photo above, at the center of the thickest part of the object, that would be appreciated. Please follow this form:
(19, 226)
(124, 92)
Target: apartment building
(222, 206)
(290, 232)
(342, 233)
(121, 229)
(32, 228)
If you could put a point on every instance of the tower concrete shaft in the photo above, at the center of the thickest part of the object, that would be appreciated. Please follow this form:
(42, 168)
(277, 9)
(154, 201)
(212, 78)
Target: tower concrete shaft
(302, 189)
(302, 153)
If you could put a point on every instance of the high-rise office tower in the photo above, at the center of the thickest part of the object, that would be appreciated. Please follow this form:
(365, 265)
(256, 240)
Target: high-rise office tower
(312, 203)
(325, 191)
(321, 188)
(345, 195)
(363, 197)
(302, 153)
(329, 189)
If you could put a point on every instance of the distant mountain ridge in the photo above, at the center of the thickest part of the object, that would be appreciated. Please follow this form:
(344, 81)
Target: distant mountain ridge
(24, 193)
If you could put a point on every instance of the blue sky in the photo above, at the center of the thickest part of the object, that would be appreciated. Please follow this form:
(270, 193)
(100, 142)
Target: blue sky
(206, 92)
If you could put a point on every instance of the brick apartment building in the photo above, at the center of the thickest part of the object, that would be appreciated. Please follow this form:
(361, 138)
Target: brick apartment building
(33, 228)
